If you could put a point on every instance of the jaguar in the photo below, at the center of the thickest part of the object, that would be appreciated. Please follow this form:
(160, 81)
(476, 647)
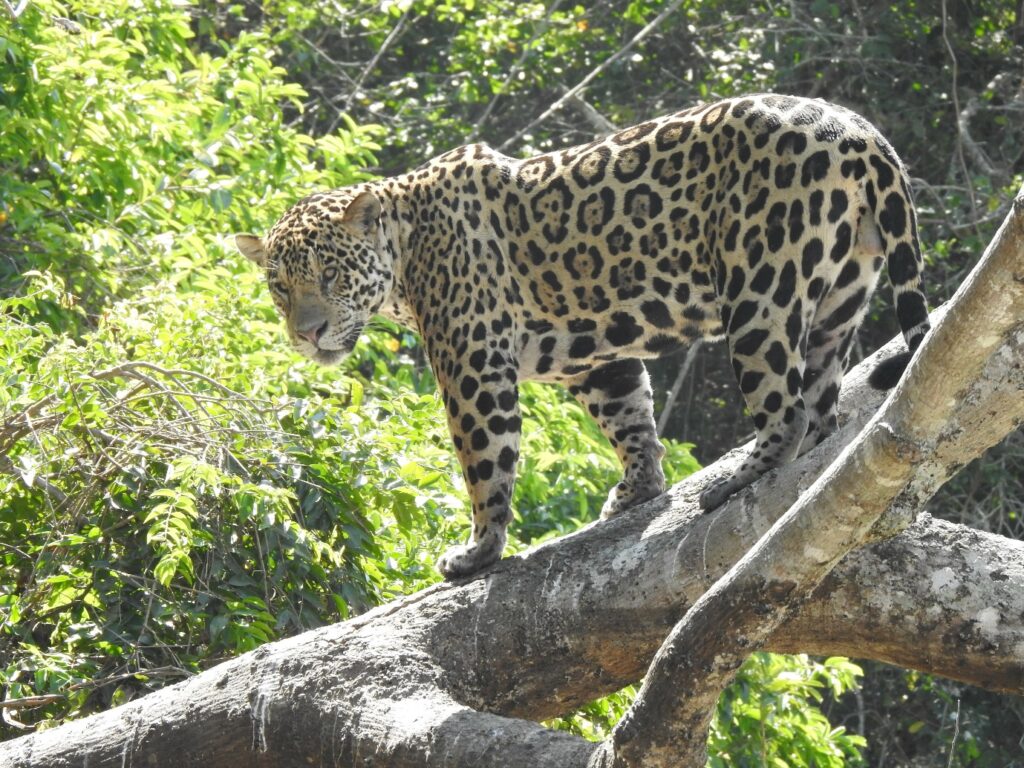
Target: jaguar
(764, 221)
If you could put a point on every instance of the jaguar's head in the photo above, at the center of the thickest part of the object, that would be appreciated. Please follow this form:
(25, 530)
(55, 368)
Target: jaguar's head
(328, 269)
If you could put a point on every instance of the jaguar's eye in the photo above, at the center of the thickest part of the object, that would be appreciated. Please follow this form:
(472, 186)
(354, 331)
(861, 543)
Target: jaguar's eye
(279, 293)
(329, 274)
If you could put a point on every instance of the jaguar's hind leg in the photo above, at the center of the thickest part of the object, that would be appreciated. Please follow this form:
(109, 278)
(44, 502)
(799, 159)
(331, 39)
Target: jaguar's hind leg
(618, 396)
(827, 356)
(832, 331)
(767, 358)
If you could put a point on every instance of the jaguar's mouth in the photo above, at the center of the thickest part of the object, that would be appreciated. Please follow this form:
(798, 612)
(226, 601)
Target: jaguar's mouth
(350, 340)
(329, 356)
(333, 356)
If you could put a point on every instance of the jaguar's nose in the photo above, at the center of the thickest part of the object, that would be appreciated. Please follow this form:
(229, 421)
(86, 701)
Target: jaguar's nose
(313, 333)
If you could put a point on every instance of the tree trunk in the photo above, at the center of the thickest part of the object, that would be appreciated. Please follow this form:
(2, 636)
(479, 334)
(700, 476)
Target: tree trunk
(455, 675)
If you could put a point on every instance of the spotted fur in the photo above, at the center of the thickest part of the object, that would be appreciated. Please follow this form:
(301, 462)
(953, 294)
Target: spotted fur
(763, 220)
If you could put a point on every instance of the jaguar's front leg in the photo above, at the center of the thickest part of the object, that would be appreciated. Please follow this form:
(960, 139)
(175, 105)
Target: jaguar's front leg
(481, 398)
(618, 396)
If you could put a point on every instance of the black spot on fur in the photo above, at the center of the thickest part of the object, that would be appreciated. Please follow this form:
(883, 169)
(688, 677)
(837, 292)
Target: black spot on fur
(750, 342)
(846, 311)
(902, 264)
(851, 271)
(657, 314)
(815, 167)
(672, 135)
(480, 440)
(736, 283)
(507, 459)
(582, 346)
(883, 173)
(812, 255)
(743, 314)
(893, 218)
(776, 358)
(750, 381)
(787, 285)
(590, 168)
(757, 204)
(468, 387)
(841, 247)
(623, 330)
(631, 163)
(839, 205)
(791, 142)
(485, 403)
(763, 279)
(661, 344)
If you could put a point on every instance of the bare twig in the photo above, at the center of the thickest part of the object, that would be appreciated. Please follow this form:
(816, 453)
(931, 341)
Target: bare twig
(956, 108)
(15, 12)
(5, 716)
(55, 494)
(165, 671)
(956, 734)
(392, 36)
(673, 393)
(31, 702)
(601, 124)
(639, 36)
(129, 369)
(513, 71)
(978, 155)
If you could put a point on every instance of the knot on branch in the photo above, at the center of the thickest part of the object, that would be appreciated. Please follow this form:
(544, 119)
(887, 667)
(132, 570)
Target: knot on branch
(779, 591)
(1018, 203)
(896, 444)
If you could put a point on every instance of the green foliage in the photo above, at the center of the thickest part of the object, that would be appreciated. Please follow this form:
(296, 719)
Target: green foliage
(567, 465)
(770, 716)
(126, 145)
(159, 506)
(213, 492)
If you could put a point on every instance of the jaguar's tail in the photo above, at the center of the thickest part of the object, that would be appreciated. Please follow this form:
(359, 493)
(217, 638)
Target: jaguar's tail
(889, 195)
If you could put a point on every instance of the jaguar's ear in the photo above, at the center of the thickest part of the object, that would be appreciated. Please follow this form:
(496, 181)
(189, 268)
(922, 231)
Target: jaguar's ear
(252, 248)
(362, 213)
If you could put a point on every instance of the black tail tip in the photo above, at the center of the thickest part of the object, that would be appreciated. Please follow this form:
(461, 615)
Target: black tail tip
(888, 372)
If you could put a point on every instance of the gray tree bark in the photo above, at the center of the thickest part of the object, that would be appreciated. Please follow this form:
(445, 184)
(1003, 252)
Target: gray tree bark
(458, 675)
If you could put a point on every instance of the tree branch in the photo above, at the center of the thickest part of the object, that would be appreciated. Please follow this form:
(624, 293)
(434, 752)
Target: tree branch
(513, 71)
(361, 78)
(673, 393)
(15, 12)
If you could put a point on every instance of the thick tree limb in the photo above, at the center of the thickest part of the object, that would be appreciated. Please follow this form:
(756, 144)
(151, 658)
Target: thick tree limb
(441, 677)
